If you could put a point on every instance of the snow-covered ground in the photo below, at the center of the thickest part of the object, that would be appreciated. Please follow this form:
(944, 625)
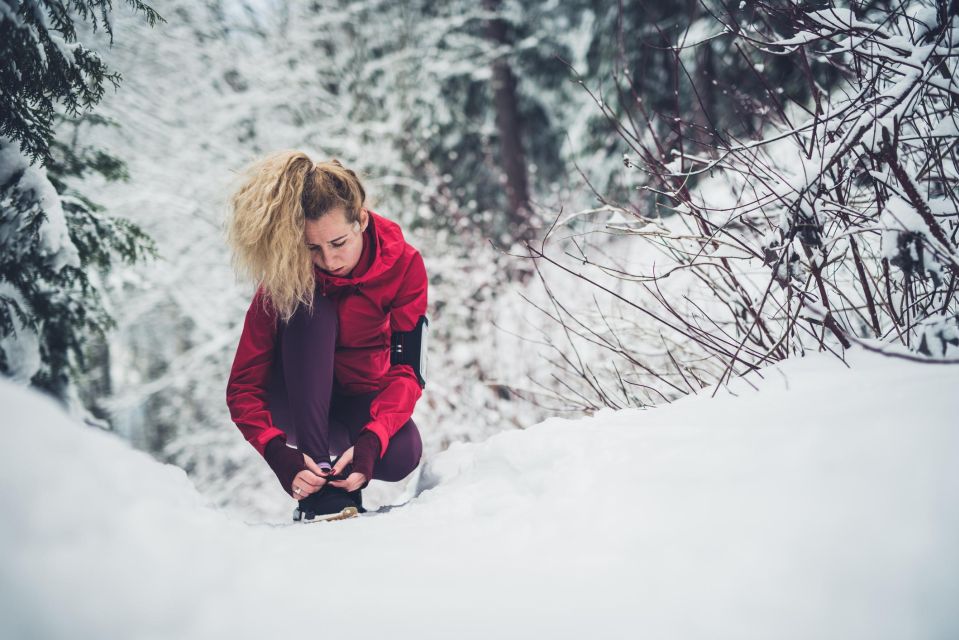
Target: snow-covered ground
(823, 505)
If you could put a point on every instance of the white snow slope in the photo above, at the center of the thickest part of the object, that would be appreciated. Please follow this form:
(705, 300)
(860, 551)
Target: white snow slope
(825, 505)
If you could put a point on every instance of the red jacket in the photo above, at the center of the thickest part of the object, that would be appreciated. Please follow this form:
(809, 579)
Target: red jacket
(386, 293)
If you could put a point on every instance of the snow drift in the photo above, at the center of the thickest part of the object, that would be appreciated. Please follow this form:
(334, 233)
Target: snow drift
(822, 503)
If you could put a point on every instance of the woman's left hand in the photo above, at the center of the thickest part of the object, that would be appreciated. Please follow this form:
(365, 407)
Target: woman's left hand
(353, 481)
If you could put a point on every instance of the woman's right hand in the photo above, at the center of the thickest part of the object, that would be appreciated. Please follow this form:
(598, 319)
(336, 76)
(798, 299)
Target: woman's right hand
(310, 480)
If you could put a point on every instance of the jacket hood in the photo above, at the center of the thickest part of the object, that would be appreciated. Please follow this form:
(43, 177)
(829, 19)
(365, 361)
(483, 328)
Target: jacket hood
(383, 244)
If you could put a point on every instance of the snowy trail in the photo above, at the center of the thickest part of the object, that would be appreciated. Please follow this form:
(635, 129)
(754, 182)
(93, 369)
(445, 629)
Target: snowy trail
(824, 505)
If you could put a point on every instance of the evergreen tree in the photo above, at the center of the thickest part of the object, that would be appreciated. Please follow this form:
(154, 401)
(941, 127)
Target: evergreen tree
(55, 243)
(44, 65)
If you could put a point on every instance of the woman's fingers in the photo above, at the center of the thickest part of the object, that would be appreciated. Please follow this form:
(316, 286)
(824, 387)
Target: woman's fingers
(351, 483)
(313, 467)
(311, 478)
(343, 460)
(307, 482)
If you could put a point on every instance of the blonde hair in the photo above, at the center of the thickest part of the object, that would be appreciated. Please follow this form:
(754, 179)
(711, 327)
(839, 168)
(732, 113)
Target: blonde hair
(265, 230)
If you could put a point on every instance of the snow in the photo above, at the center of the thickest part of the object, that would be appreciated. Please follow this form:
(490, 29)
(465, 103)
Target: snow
(948, 127)
(7, 13)
(898, 218)
(825, 504)
(54, 238)
(940, 334)
(20, 349)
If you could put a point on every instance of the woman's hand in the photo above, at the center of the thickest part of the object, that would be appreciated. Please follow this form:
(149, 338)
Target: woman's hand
(310, 480)
(353, 481)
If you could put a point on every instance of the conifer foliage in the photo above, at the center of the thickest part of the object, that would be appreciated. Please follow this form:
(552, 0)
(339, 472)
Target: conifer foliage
(55, 243)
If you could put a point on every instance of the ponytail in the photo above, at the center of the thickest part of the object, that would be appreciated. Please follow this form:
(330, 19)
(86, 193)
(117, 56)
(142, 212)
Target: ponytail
(265, 230)
(266, 227)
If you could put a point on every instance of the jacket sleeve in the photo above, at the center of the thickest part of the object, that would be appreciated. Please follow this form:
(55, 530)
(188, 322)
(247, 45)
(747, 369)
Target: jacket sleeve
(246, 391)
(399, 389)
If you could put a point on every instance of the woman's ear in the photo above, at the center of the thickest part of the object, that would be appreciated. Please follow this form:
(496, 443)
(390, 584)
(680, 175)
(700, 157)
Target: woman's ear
(364, 219)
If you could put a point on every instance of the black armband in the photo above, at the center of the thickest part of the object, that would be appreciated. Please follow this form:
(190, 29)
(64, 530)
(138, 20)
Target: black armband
(409, 347)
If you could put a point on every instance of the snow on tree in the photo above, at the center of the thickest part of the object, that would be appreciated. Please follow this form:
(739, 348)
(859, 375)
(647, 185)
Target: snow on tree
(56, 243)
(44, 65)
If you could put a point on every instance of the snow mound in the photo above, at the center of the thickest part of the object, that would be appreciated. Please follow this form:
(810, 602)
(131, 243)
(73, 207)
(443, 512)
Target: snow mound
(823, 503)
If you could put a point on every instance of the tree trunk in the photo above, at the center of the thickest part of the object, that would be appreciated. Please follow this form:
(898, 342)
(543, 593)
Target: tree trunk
(508, 126)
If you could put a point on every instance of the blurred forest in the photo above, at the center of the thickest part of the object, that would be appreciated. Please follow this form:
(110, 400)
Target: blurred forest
(619, 203)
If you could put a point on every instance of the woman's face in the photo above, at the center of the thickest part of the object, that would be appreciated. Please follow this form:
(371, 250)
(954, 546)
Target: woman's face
(334, 243)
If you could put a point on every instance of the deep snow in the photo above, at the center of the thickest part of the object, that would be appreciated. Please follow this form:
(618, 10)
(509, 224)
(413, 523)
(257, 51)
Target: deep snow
(825, 505)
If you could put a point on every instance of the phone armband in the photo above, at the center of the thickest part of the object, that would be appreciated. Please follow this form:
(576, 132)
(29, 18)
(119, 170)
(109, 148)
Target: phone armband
(409, 347)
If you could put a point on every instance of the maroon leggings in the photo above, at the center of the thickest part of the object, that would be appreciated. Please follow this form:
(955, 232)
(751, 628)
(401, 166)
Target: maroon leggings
(302, 403)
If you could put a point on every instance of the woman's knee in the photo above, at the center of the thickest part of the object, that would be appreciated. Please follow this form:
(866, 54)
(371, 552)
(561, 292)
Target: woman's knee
(402, 455)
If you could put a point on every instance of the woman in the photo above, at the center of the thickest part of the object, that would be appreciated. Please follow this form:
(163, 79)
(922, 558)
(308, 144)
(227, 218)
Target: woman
(313, 377)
